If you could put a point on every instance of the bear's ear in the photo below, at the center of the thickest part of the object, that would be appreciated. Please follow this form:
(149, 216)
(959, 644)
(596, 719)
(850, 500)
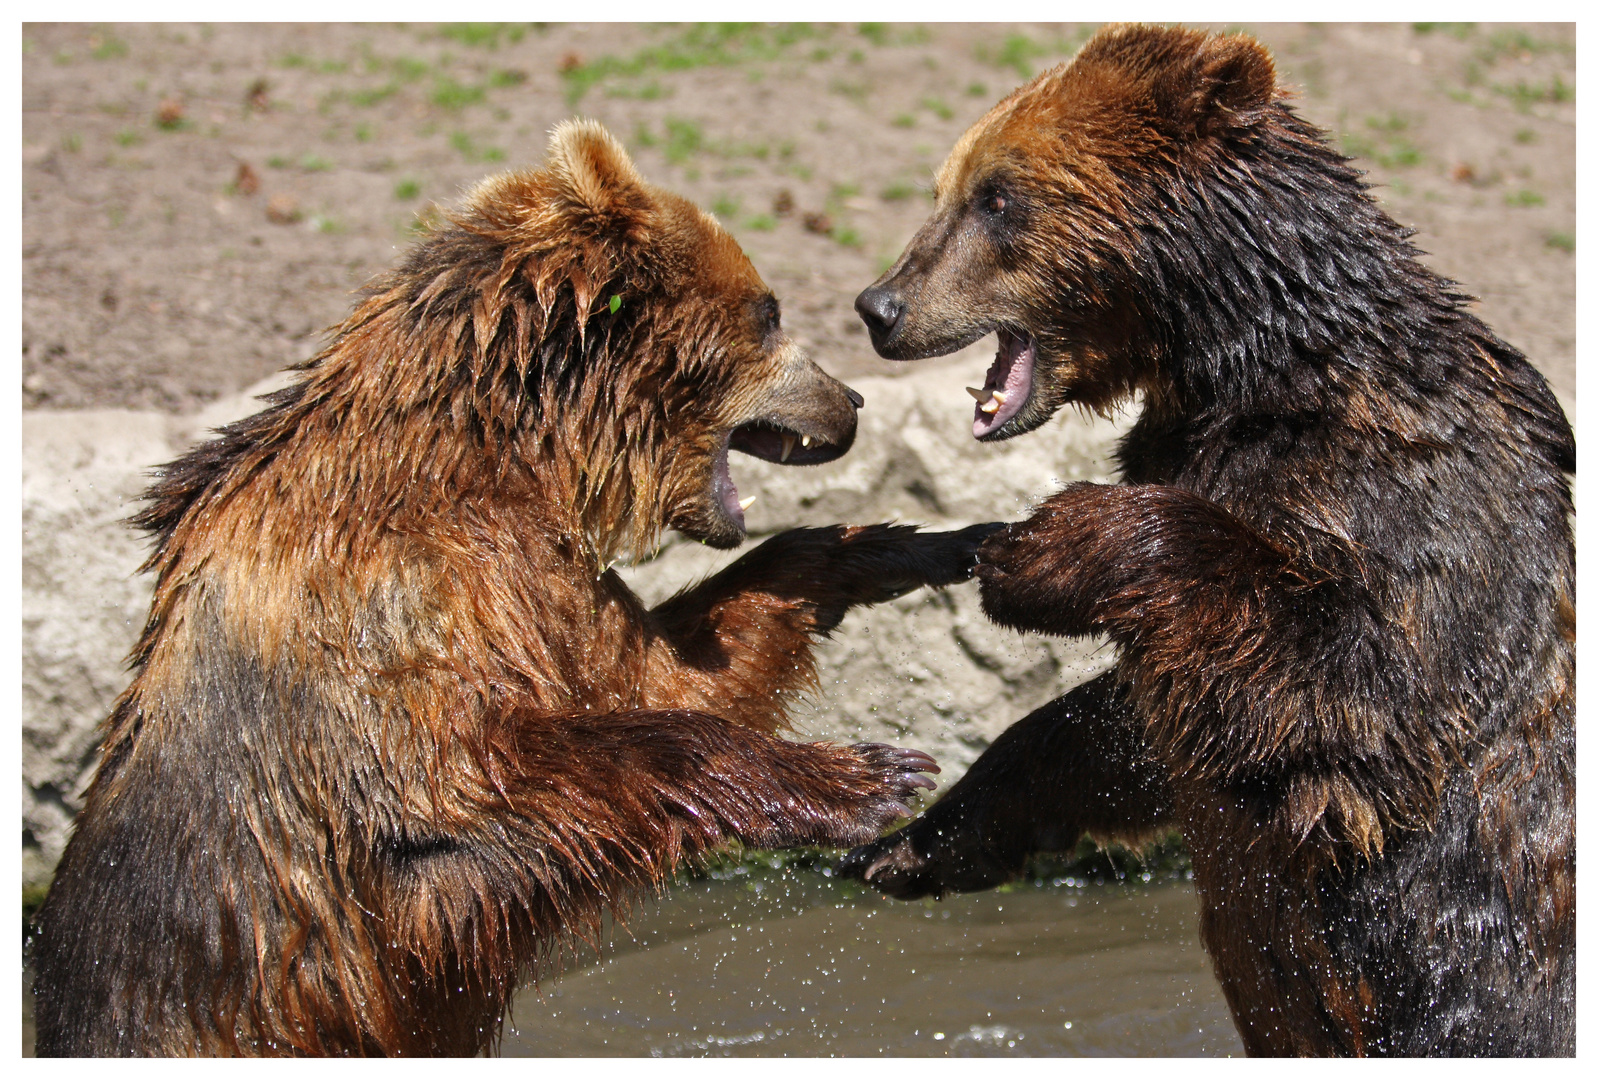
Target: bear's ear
(1231, 83)
(595, 177)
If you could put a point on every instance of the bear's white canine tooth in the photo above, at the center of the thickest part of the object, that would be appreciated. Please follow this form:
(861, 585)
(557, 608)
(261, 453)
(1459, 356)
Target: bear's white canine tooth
(787, 446)
(998, 395)
(992, 404)
(804, 441)
(744, 504)
(980, 395)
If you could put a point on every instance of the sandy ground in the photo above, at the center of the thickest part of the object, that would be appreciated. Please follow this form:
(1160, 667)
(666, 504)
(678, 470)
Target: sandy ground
(200, 202)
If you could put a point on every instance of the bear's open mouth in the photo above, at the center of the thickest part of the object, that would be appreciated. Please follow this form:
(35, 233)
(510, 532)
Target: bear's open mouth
(772, 442)
(769, 441)
(1008, 385)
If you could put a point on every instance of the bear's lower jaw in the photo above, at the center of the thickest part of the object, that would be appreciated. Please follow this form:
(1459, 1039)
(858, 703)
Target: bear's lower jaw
(711, 524)
(725, 505)
(1007, 390)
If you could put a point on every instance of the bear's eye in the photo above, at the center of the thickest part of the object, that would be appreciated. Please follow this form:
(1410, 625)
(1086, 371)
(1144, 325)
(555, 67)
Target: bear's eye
(995, 197)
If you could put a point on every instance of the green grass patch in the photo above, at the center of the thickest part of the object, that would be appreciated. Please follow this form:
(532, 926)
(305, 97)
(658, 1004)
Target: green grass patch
(1525, 136)
(315, 163)
(484, 35)
(684, 139)
(645, 91)
(693, 46)
(1523, 95)
(407, 189)
(1401, 154)
(937, 107)
(725, 207)
(761, 223)
(104, 45)
(1524, 197)
(1390, 148)
(373, 95)
(450, 94)
(409, 68)
(853, 89)
(1017, 52)
(1516, 43)
(904, 120)
(847, 235)
(760, 151)
(1561, 241)
(470, 150)
(1457, 30)
(880, 34)
(128, 137)
(898, 191)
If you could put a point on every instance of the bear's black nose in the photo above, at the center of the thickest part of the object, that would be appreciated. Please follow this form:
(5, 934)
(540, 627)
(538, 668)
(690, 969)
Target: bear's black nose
(880, 310)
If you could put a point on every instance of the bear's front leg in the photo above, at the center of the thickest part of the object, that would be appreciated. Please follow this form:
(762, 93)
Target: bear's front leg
(1077, 765)
(738, 643)
(805, 579)
(1101, 557)
(630, 794)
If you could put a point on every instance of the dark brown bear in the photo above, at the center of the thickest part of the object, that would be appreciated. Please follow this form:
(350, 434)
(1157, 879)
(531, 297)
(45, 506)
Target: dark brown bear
(1339, 571)
(396, 730)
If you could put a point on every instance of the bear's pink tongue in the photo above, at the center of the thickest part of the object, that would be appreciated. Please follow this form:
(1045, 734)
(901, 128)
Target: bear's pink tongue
(1008, 385)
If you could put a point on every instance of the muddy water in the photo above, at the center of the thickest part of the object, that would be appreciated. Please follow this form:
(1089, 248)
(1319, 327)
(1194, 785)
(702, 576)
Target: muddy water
(795, 963)
(798, 964)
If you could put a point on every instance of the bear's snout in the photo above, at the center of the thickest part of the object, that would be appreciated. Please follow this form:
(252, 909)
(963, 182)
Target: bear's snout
(880, 308)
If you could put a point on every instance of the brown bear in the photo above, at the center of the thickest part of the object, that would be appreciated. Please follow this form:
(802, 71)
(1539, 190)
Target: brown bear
(396, 729)
(1339, 570)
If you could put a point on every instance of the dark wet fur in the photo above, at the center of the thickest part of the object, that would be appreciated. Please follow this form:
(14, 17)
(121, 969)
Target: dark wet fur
(1341, 578)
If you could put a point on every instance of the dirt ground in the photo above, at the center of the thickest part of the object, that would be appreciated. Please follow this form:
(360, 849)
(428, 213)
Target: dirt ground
(200, 201)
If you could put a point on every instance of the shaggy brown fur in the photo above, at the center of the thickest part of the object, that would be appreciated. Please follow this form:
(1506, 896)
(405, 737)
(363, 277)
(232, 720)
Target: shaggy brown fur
(396, 729)
(1340, 572)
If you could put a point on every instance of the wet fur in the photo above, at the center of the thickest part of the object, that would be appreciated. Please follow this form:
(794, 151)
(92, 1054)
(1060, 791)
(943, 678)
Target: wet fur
(396, 732)
(1339, 570)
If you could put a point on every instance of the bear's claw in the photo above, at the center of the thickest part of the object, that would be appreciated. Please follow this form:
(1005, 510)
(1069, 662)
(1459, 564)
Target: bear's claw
(892, 865)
